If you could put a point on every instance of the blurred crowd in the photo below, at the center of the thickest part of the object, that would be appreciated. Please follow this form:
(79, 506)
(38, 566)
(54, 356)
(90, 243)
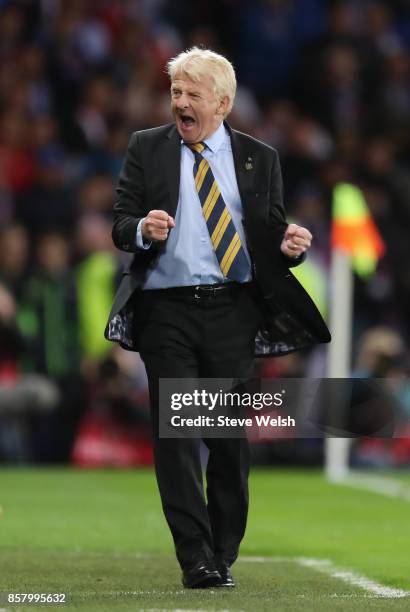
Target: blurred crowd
(325, 82)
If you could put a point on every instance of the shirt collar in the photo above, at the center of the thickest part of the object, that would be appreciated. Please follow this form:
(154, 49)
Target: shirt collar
(215, 141)
(219, 139)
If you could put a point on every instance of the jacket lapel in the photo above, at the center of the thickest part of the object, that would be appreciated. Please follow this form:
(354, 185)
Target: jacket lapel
(245, 162)
(171, 164)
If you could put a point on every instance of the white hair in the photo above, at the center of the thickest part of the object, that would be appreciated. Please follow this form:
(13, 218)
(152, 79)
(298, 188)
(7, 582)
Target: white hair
(196, 63)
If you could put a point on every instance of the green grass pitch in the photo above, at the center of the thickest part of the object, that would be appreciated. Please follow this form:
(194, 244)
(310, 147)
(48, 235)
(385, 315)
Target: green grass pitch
(100, 536)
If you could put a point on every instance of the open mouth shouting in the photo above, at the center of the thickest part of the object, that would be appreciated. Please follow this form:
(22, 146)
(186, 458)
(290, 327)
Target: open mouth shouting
(186, 124)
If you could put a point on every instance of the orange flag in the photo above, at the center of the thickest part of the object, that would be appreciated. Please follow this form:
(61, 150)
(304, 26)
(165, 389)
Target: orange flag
(353, 229)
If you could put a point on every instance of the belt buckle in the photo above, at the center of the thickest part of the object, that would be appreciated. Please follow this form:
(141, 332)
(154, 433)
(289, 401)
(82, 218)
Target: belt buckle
(207, 292)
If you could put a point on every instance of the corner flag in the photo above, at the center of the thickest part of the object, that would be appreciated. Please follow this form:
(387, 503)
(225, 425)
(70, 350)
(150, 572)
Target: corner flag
(357, 245)
(353, 229)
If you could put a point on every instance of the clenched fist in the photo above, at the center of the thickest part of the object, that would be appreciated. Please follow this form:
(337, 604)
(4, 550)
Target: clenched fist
(296, 241)
(156, 225)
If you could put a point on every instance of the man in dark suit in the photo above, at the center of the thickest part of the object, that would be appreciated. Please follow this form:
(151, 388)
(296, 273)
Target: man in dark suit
(200, 206)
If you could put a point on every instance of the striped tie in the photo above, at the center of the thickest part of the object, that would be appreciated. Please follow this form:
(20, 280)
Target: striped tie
(225, 239)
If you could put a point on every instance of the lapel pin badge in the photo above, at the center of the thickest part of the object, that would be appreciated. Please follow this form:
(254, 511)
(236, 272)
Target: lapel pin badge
(249, 164)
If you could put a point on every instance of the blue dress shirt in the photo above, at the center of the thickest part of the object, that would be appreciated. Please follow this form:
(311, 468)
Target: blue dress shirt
(189, 257)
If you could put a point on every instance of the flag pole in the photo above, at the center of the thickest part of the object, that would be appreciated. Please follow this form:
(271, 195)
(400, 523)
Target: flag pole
(355, 240)
(339, 351)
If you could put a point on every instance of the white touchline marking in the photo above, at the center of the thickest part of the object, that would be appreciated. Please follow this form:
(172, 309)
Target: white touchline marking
(376, 484)
(327, 567)
(256, 559)
(373, 588)
(111, 553)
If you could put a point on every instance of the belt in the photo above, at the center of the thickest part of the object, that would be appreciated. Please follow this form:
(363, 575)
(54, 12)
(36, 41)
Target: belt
(200, 292)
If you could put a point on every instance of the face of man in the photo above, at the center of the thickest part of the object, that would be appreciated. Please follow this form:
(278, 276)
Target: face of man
(197, 111)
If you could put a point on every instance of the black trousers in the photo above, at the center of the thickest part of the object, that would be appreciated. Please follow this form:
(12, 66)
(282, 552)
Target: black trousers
(182, 336)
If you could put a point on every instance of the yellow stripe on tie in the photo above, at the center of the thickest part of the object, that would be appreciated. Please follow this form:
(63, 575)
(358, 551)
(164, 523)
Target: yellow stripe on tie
(211, 206)
(226, 258)
(230, 253)
(209, 196)
(198, 147)
(231, 258)
(201, 169)
(200, 175)
(210, 203)
(220, 228)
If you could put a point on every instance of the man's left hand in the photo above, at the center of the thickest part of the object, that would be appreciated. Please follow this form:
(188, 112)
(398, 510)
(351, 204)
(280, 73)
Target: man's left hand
(297, 240)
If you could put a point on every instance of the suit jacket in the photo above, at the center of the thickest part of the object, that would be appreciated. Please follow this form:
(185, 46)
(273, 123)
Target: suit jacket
(150, 179)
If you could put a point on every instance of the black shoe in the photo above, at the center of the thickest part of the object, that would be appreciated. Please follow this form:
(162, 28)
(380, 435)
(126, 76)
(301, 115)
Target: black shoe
(202, 575)
(226, 576)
